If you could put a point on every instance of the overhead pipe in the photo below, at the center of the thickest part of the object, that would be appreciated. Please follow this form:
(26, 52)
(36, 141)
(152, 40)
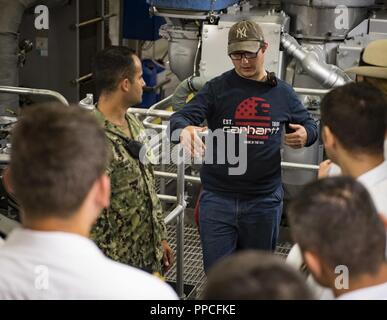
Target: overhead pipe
(328, 75)
(184, 89)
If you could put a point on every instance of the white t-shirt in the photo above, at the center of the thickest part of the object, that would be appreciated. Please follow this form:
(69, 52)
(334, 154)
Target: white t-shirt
(375, 182)
(60, 265)
(378, 292)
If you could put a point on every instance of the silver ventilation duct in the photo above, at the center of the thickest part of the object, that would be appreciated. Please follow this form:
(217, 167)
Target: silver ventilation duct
(327, 74)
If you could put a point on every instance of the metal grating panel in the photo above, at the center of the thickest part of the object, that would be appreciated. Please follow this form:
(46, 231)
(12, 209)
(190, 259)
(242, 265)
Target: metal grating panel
(193, 258)
(283, 249)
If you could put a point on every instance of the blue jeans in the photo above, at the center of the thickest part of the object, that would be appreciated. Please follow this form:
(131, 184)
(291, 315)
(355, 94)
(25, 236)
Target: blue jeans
(229, 223)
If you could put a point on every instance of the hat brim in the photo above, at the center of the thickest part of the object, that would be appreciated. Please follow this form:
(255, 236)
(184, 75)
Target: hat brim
(367, 71)
(248, 46)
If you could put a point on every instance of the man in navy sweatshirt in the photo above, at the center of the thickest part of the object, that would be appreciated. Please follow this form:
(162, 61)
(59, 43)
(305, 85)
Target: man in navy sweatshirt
(247, 103)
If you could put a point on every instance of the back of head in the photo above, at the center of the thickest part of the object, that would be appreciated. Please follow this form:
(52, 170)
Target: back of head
(254, 275)
(57, 154)
(336, 219)
(111, 65)
(356, 114)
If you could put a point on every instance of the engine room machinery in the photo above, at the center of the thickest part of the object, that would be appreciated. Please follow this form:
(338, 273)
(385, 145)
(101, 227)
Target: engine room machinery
(310, 42)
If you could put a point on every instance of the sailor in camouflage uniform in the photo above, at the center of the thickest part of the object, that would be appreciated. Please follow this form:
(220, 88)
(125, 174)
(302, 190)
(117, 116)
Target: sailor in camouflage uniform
(132, 230)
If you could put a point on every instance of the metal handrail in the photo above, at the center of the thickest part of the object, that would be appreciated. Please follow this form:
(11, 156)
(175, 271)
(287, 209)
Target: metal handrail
(178, 213)
(173, 214)
(148, 120)
(33, 91)
(180, 223)
(154, 126)
(197, 180)
(148, 112)
(316, 92)
(294, 165)
(167, 198)
(161, 102)
(172, 175)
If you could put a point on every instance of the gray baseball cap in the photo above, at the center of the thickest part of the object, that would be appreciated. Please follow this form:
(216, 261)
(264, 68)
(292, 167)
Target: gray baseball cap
(245, 35)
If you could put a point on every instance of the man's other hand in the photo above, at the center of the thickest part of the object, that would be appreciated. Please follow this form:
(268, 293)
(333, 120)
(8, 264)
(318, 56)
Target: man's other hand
(296, 139)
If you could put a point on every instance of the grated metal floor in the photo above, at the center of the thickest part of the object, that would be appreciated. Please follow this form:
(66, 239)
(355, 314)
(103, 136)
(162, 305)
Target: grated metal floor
(193, 258)
(283, 249)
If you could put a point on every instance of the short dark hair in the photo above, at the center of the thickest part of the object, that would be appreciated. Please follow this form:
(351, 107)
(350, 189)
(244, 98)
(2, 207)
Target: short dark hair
(111, 65)
(254, 275)
(356, 115)
(336, 219)
(57, 154)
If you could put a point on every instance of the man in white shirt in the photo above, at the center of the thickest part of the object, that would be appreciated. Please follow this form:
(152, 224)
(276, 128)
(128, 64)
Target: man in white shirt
(57, 174)
(373, 70)
(342, 238)
(354, 126)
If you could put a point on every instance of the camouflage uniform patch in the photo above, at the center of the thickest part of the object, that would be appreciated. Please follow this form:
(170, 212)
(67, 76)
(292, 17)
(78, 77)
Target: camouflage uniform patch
(131, 230)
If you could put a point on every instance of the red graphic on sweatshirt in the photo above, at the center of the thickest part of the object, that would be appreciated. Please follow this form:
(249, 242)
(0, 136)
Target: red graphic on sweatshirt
(253, 117)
